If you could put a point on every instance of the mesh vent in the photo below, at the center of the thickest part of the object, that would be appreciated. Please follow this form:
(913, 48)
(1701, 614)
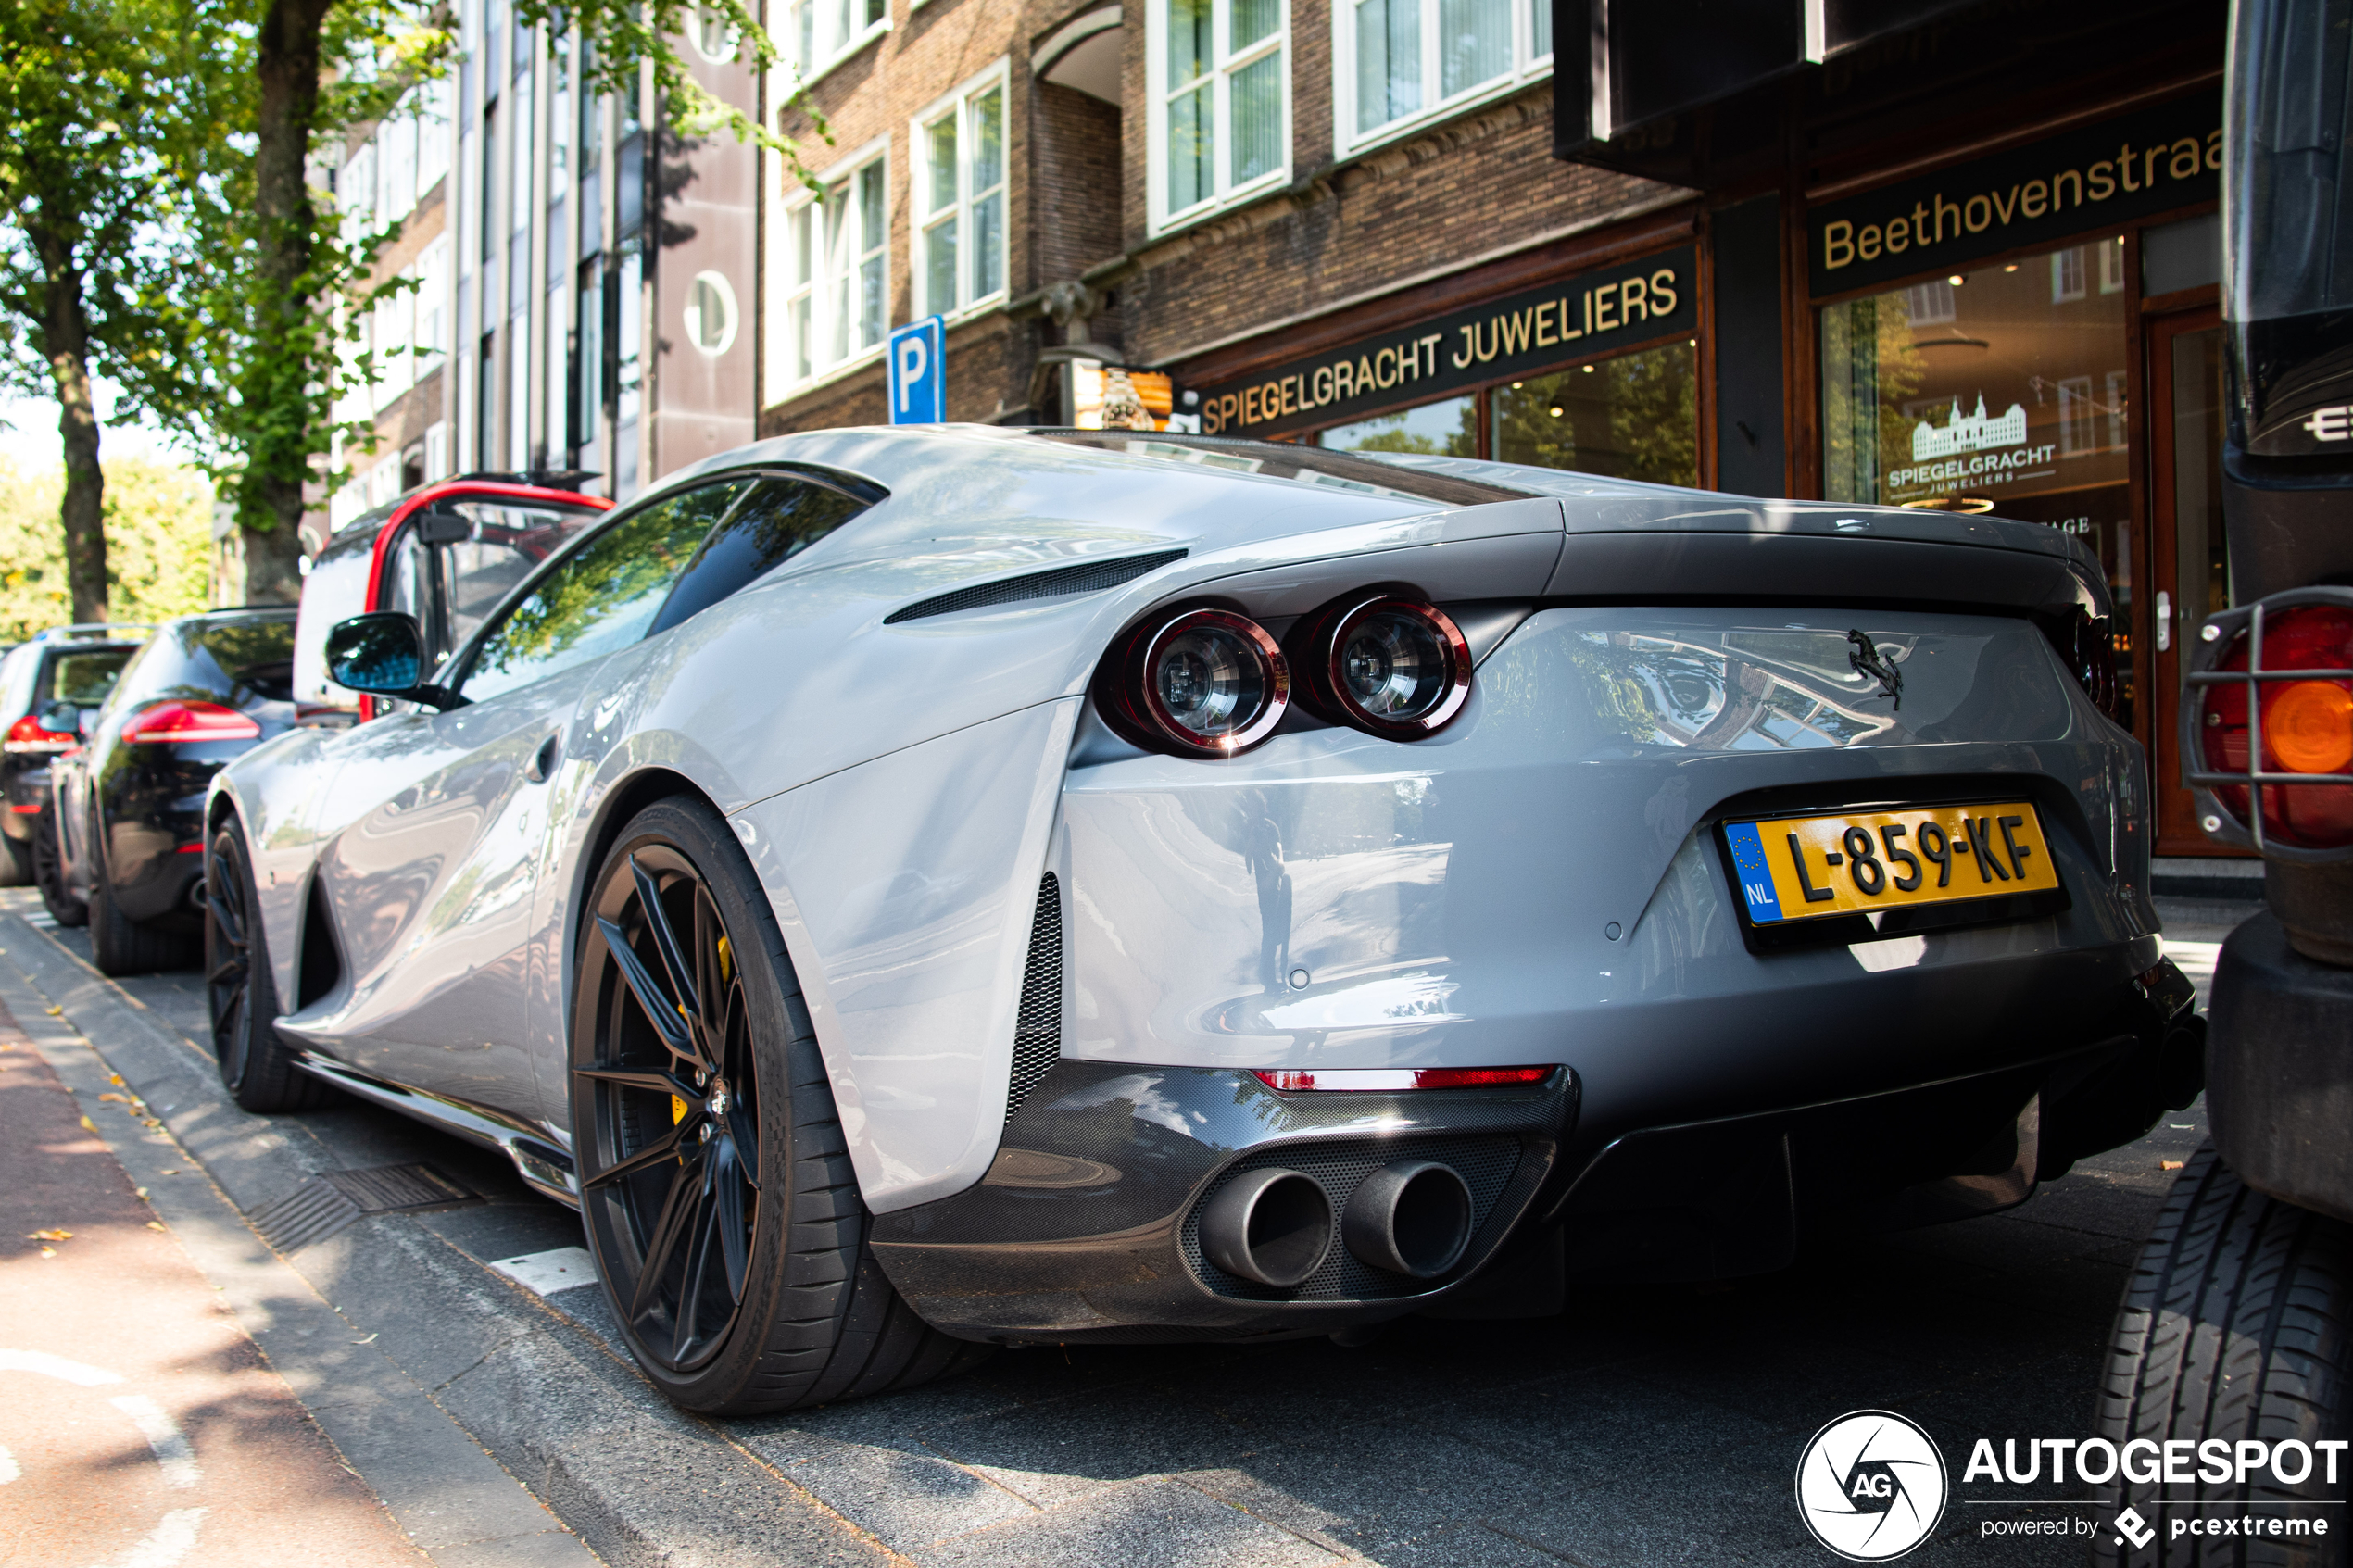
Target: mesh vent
(1037, 1028)
(1487, 1165)
(1087, 577)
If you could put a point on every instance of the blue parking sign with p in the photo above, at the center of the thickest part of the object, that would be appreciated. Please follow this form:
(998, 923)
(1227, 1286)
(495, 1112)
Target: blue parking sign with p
(918, 380)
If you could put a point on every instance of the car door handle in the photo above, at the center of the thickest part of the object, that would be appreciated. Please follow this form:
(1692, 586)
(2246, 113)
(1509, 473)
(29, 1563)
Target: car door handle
(543, 761)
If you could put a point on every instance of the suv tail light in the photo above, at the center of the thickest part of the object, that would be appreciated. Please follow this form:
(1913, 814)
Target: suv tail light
(2086, 645)
(190, 723)
(2270, 716)
(27, 735)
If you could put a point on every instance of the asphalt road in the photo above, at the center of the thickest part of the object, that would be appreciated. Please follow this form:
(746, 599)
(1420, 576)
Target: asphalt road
(1642, 1427)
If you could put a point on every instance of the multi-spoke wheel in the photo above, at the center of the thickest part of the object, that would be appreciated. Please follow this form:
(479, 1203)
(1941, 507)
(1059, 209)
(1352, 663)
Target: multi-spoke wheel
(715, 1182)
(239, 992)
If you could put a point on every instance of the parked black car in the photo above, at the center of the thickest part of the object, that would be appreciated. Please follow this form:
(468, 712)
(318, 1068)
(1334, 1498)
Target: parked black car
(72, 664)
(128, 808)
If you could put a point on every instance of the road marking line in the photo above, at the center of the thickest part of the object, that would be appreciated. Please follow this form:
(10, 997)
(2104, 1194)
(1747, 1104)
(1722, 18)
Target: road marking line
(169, 1541)
(58, 1367)
(173, 1455)
(544, 1273)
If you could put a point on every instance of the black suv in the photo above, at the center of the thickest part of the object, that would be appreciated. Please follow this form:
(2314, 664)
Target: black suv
(70, 664)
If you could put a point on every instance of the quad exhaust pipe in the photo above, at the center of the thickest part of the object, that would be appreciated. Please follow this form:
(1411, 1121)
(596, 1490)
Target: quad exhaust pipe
(1274, 1227)
(1412, 1217)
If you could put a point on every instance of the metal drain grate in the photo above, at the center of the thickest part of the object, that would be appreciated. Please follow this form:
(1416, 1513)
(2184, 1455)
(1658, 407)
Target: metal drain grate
(329, 1201)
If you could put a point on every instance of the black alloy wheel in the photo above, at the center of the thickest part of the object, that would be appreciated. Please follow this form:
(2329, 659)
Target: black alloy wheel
(716, 1185)
(241, 998)
(673, 1139)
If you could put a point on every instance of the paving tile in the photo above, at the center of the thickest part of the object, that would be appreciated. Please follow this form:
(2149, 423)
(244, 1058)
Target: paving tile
(1698, 1514)
(1592, 1429)
(1150, 1524)
(907, 1497)
(1051, 1454)
(546, 1549)
(1379, 1484)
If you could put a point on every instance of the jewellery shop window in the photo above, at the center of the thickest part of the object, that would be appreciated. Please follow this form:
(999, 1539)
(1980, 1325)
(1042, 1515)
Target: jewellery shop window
(2001, 390)
(1632, 417)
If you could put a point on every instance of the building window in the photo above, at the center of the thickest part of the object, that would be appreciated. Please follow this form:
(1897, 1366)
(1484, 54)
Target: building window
(960, 199)
(710, 313)
(1447, 428)
(857, 261)
(829, 276)
(1220, 122)
(792, 319)
(817, 35)
(1406, 60)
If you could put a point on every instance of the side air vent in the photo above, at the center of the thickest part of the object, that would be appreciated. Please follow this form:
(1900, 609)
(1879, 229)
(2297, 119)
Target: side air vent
(1086, 577)
(1037, 1028)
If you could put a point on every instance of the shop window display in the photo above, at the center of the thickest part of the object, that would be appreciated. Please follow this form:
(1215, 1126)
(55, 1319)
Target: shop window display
(1449, 429)
(2001, 390)
(1634, 417)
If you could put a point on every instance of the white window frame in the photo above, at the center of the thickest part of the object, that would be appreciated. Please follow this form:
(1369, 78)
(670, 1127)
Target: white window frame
(920, 221)
(1527, 68)
(826, 53)
(1161, 218)
(789, 198)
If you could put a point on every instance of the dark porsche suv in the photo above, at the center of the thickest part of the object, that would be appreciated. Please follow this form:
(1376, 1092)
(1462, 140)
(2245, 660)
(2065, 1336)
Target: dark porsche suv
(128, 808)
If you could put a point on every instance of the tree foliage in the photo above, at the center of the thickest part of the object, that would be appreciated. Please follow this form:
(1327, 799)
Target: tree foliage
(280, 261)
(159, 523)
(108, 110)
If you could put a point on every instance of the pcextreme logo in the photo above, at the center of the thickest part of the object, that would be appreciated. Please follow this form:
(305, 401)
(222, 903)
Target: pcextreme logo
(1871, 1486)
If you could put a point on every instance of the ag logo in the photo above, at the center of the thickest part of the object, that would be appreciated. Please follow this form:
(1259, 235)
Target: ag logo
(1870, 1486)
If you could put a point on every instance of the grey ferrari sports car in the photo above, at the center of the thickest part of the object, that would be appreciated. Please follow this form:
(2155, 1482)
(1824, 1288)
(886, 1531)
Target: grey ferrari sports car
(922, 888)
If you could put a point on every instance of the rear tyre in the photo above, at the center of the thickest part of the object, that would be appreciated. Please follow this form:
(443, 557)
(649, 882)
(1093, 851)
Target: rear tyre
(2235, 1326)
(48, 873)
(240, 996)
(716, 1185)
(16, 866)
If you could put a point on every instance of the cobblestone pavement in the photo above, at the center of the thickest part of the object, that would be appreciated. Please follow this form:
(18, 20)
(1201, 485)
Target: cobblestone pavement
(1656, 1425)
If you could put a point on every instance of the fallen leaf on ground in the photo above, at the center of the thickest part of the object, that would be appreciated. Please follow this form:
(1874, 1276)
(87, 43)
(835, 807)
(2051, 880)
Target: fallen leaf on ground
(88, 1125)
(50, 1236)
(48, 1252)
(55, 1011)
(141, 1191)
(173, 1172)
(111, 1095)
(154, 1224)
(115, 1078)
(2168, 1164)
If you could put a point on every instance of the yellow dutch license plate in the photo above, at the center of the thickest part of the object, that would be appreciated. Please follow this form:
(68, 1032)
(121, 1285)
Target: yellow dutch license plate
(1859, 862)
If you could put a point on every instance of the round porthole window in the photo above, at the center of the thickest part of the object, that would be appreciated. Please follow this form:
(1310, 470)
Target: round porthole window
(710, 313)
(715, 36)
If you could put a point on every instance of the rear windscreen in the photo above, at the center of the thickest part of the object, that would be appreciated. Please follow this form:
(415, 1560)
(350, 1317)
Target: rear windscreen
(238, 662)
(85, 679)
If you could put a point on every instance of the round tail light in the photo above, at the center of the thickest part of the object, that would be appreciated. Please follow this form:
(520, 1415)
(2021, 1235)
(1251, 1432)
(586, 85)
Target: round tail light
(2274, 720)
(1392, 666)
(1207, 682)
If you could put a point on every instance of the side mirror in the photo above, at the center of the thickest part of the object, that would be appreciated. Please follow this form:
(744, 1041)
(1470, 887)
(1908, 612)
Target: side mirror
(61, 718)
(384, 654)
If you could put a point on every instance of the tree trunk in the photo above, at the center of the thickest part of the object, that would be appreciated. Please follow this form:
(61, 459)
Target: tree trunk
(288, 341)
(65, 331)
